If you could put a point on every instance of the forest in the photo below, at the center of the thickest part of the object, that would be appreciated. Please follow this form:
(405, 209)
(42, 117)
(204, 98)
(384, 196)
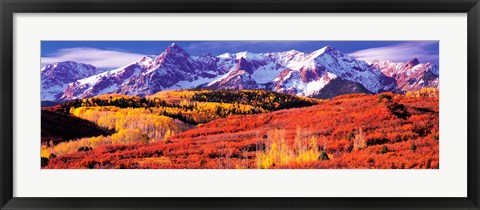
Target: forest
(247, 129)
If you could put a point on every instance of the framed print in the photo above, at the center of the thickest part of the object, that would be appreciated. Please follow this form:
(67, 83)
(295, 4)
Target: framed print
(239, 105)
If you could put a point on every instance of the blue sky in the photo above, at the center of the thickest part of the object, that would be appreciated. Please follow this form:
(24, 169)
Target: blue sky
(111, 54)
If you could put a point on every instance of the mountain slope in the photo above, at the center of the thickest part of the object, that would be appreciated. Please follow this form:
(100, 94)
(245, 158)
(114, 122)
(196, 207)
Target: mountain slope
(290, 72)
(57, 127)
(172, 69)
(291, 138)
(322, 66)
(410, 76)
(55, 77)
(338, 87)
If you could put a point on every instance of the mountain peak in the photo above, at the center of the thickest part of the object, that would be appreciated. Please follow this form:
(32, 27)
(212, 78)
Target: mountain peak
(243, 64)
(293, 51)
(327, 47)
(240, 55)
(67, 64)
(321, 51)
(410, 64)
(63, 63)
(175, 48)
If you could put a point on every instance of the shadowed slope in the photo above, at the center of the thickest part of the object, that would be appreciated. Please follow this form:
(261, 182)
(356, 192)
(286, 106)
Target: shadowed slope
(58, 127)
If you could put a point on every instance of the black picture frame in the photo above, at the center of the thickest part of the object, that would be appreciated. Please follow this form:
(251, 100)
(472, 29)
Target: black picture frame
(10, 7)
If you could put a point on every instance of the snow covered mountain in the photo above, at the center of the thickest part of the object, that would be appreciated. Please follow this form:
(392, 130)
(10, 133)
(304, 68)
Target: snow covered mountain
(172, 69)
(323, 73)
(302, 74)
(411, 75)
(56, 77)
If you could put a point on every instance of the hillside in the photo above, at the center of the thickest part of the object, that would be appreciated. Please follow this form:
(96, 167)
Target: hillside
(292, 72)
(339, 87)
(350, 131)
(57, 127)
(162, 115)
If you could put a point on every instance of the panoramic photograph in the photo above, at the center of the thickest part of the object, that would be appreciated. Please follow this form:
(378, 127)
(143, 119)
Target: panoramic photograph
(239, 105)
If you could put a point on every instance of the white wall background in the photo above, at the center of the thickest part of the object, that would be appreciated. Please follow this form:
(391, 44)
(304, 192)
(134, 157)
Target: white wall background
(448, 181)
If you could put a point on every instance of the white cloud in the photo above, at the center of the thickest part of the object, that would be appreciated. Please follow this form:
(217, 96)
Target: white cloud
(97, 57)
(400, 52)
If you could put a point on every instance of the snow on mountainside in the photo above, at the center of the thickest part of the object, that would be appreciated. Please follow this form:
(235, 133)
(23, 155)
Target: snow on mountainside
(172, 69)
(296, 73)
(411, 75)
(56, 77)
(290, 72)
(322, 66)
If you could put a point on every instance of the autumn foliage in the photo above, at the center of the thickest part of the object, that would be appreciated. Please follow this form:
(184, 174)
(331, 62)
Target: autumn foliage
(386, 131)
